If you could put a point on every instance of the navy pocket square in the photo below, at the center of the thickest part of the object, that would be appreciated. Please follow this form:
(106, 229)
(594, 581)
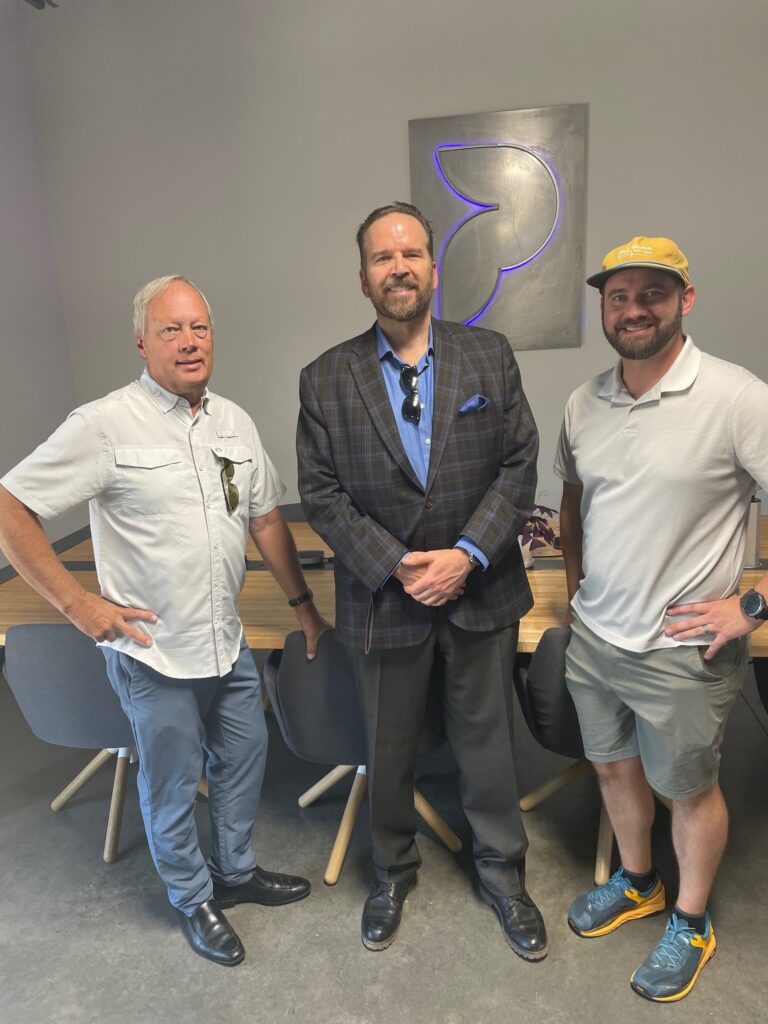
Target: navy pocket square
(473, 404)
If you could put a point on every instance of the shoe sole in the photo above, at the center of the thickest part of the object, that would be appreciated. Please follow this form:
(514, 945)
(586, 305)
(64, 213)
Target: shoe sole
(708, 954)
(227, 904)
(521, 951)
(655, 904)
(376, 947)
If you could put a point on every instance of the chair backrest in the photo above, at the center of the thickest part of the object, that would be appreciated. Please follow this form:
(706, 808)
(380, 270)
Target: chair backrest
(58, 677)
(316, 706)
(544, 698)
(314, 702)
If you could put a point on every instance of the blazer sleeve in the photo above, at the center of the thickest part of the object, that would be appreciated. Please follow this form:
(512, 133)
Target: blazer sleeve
(366, 548)
(498, 519)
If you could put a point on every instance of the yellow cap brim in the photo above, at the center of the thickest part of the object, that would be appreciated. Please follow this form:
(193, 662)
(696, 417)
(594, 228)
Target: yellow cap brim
(598, 280)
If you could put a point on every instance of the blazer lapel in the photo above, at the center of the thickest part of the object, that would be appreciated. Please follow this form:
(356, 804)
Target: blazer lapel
(366, 371)
(444, 411)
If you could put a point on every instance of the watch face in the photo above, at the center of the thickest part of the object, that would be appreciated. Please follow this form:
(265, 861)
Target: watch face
(753, 604)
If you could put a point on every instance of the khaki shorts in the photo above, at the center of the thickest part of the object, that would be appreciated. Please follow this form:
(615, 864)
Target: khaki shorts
(668, 706)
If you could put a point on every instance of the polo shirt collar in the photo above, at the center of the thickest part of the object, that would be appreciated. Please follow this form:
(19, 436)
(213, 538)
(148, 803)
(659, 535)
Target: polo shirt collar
(679, 377)
(165, 399)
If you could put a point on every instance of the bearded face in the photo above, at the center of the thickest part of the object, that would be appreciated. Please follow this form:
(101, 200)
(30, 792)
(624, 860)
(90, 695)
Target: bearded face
(642, 312)
(399, 276)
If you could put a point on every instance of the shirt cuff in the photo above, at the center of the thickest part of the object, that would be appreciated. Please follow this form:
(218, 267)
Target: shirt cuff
(472, 549)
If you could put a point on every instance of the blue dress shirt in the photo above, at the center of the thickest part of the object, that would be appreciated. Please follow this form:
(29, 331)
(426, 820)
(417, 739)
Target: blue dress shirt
(416, 437)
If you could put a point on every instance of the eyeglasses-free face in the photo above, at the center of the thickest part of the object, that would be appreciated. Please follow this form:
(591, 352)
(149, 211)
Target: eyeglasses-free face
(231, 493)
(178, 341)
(409, 382)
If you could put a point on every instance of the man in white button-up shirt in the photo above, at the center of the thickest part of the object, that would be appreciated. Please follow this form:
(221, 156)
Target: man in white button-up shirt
(176, 477)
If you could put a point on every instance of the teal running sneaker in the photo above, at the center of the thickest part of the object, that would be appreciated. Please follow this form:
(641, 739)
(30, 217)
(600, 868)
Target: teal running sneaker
(606, 908)
(671, 970)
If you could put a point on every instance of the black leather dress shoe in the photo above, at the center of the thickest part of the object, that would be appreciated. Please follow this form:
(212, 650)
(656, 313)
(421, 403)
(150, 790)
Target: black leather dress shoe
(521, 922)
(211, 935)
(382, 912)
(269, 888)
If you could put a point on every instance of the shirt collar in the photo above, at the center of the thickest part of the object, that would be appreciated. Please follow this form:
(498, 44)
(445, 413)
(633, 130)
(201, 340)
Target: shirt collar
(681, 374)
(385, 350)
(167, 400)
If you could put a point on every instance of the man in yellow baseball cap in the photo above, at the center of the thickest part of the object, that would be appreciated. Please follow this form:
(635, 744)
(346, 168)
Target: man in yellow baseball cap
(659, 457)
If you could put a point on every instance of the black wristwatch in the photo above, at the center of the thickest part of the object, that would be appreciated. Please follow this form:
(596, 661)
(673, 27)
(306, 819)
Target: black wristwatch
(754, 605)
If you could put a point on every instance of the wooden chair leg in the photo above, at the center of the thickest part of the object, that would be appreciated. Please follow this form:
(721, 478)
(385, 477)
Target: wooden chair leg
(604, 847)
(436, 823)
(554, 785)
(117, 804)
(80, 780)
(343, 836)
(324, 784)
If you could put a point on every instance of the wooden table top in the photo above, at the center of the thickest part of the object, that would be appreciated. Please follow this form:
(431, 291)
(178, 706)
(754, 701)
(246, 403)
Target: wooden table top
(267, 618)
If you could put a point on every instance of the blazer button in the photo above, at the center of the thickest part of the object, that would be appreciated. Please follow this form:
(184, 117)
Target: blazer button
(428, 503)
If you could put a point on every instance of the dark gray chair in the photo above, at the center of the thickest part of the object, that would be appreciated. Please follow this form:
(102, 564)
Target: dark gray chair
(760, 666)
(316, 708)
(551, 716)
(58, 677)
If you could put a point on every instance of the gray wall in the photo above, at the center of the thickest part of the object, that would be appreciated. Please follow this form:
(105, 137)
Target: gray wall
(240, 142)
(36, 383)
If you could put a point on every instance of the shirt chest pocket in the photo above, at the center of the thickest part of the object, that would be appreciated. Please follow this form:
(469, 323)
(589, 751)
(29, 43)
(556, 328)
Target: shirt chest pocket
(153, 481)
(234, 466)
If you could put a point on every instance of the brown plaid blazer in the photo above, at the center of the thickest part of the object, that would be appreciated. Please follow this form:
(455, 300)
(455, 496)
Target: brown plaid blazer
(360, 494)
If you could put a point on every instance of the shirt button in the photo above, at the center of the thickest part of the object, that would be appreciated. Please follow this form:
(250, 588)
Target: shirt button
(428, 441)
(428, 503)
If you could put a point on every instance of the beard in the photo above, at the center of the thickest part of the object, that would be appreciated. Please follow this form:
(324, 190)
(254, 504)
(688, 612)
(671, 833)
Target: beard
(629, 348)
(404, 307)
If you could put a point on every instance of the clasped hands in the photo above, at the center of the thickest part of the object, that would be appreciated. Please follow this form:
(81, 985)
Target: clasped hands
(434, 577)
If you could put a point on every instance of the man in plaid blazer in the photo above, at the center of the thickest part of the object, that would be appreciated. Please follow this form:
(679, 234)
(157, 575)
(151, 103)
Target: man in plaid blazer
(417, 464)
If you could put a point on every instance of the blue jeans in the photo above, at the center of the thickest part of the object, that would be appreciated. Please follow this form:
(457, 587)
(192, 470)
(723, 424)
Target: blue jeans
(174, 721)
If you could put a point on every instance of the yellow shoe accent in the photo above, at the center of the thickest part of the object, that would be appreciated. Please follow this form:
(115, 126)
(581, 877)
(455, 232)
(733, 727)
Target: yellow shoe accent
(646, 906)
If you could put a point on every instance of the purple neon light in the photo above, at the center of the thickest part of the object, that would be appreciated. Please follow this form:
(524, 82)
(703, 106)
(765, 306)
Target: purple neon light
(478, 208)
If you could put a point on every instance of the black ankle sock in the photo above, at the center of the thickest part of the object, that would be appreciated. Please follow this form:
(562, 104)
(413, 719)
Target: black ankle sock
(696, 921)
(641, 882)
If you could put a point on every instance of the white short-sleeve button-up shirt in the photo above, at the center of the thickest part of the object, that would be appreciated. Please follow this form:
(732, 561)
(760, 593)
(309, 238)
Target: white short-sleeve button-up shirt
(164, 538)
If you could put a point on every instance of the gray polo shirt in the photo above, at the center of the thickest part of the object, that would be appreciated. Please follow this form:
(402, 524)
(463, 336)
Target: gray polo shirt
(667, 481)
(163, 536)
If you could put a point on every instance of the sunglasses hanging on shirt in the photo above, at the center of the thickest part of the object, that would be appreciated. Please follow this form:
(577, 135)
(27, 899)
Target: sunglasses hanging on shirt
(231, 493)
(409, 382)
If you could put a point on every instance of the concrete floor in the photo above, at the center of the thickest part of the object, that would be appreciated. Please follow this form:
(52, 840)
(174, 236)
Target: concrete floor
(86, 942)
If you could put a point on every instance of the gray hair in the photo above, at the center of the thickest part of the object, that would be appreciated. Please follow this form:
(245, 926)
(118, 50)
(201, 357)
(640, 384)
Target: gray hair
(144, 296)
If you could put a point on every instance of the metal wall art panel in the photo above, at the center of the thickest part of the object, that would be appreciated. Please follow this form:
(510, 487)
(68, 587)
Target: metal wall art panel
(505, 193)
